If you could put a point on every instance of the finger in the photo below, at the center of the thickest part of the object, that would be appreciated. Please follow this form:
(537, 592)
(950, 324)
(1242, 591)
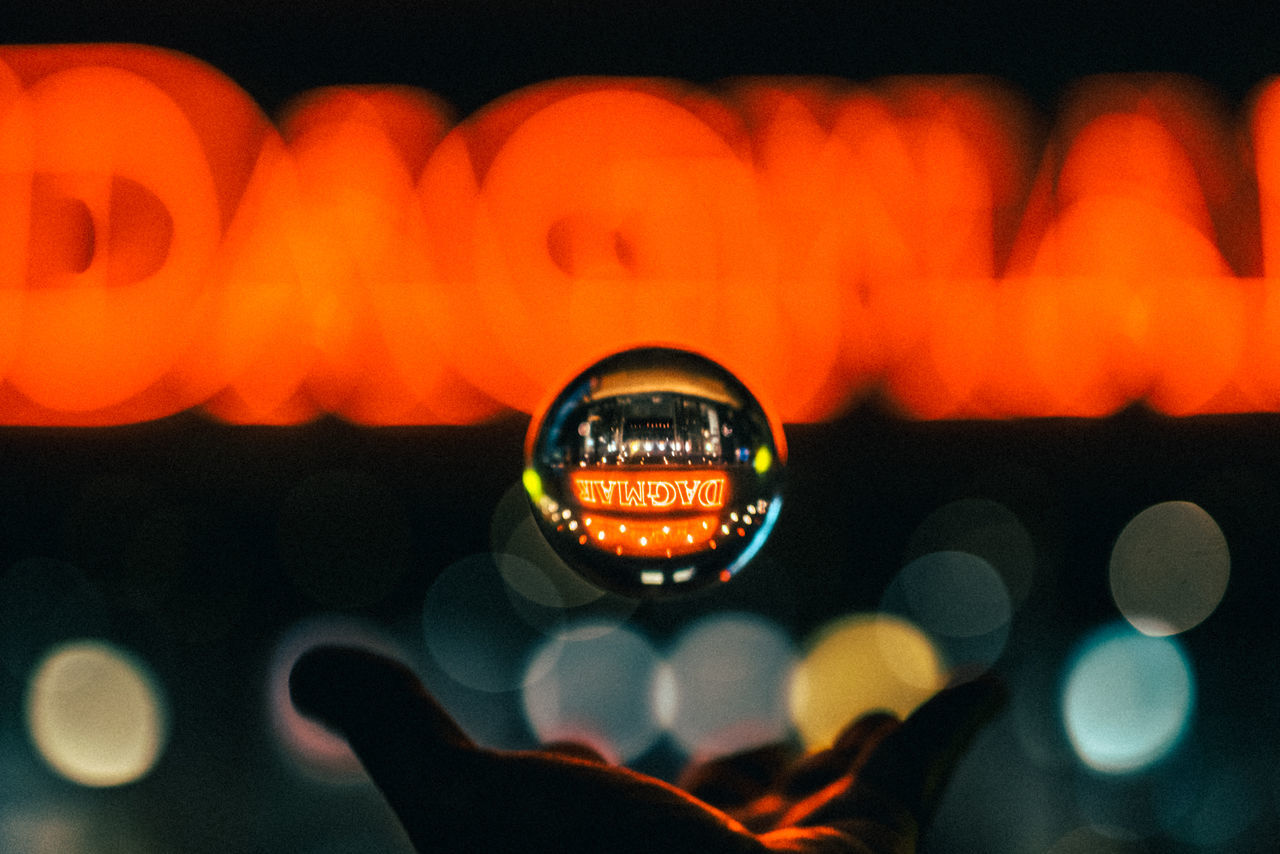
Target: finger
(410, 747)
(575, 750)
(914, 763)
(452, 796)
(803, 797)
(850, 750)
(895, 793)
(732, 781)
(868, 729)
(349, 690)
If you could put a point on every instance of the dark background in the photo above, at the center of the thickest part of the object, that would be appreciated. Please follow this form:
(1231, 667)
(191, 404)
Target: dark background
(471, 51)
(859, 485)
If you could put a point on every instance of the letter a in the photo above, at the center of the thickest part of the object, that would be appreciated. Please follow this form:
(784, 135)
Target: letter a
(587, 491)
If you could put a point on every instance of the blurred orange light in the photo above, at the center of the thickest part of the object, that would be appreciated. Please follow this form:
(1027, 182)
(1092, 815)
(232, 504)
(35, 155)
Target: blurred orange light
(164, 246)
(138, 158)
(652, 535)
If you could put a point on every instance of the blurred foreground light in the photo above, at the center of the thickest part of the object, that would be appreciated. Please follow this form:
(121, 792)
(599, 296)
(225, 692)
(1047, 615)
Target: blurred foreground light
(1213, 799)
(472, 628)
(1127, 699)
(95, 714)
(542, 587)
(596, 689)
(1169, 568)
(961, 601)
(317, 751)
(1086, 840)
(984, 528)
(655, 472)
(43, 831)
(730, 674)
(859, 664)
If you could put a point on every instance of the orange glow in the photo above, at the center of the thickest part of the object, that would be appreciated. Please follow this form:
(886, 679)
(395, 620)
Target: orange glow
(17, 158)
(351, 321)
(1127, 295)
(137, 162)
(796, 163)
(642, 491)
(164, 246)
(1264, 350)
(124, 220)
(610, 215)
(649, 536)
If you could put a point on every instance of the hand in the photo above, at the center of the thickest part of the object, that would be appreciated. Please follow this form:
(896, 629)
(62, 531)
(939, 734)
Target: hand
(871, 793)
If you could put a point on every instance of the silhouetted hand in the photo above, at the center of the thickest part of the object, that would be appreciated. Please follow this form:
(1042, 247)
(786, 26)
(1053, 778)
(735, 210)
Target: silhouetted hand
(871, 793)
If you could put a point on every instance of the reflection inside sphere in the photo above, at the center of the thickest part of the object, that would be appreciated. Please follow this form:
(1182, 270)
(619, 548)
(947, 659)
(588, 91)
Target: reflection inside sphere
(654, 472)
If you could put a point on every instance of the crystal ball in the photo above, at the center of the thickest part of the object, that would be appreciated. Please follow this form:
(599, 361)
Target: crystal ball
(655, 472)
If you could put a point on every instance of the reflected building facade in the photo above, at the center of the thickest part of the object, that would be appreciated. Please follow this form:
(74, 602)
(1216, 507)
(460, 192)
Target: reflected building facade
(655, 472)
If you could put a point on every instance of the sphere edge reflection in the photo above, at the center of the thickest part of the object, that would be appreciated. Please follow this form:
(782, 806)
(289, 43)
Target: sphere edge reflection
(655, 472)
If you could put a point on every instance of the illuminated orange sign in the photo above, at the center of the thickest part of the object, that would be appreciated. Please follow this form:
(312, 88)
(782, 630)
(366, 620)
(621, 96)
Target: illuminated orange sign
(650, 492)
(648, 536)
(164, 246)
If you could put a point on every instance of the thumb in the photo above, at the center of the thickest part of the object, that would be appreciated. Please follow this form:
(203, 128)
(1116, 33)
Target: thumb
(409, 745)
(454, 796)
(913, 764)
(352, 691)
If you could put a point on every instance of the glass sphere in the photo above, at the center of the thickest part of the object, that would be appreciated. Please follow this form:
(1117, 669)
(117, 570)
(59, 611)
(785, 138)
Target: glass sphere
(655, 472)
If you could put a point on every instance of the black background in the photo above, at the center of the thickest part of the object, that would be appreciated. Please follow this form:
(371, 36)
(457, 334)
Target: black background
(859, 485)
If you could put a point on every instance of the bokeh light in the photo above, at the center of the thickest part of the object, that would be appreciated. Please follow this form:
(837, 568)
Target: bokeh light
(543, 589)
(42, 831)
(96, 714)
(1086, 840)
(1211, 799)
(1110, 265)
(729, 677)
(595, 688)
(1169, 568)
(513, 532)
(960, 601)
(984, 528)
(472, 628)
(316, 751)
(1117, 805)
(858, 664)
(1127, 699)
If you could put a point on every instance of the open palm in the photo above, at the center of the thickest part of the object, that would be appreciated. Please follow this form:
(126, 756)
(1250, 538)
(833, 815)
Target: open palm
(871, 793)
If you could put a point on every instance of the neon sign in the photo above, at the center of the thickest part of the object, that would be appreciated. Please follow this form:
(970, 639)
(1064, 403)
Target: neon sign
(641, 492)
(164, 246)
(648, 537)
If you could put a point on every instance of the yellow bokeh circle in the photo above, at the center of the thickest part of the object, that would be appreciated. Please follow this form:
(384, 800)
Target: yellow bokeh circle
(95, 715)
(859, 664)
